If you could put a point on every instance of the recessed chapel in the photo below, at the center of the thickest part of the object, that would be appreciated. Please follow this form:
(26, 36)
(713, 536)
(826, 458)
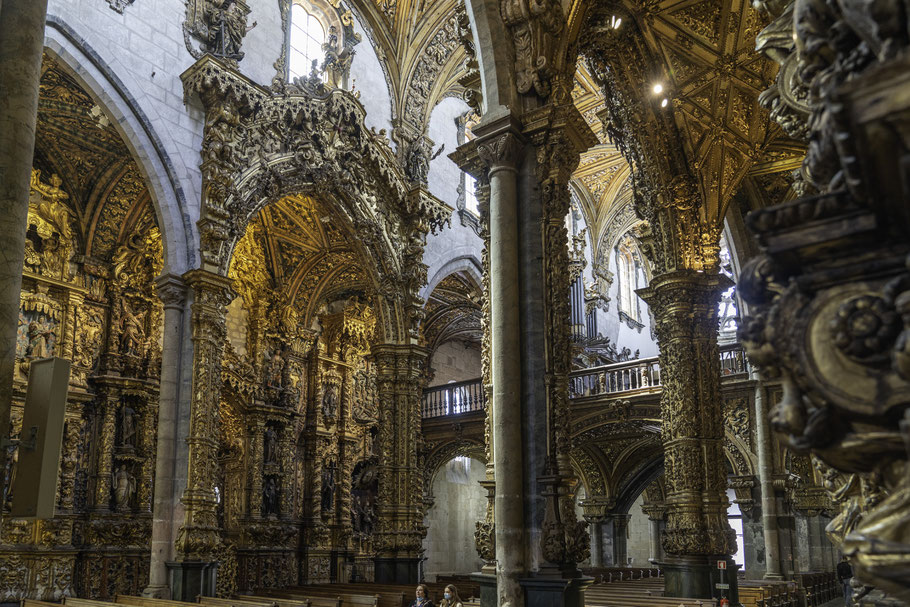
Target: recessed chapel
(535, 303)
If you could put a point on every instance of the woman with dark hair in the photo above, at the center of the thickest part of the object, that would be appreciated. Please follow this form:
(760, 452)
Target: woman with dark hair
(450, 597)
(423, 597)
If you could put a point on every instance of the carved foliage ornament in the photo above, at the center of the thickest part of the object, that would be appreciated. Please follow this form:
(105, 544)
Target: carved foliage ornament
(535, 26)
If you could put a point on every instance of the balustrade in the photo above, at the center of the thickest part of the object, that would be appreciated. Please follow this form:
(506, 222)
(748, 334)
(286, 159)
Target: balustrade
(452, 399)
(641, 374)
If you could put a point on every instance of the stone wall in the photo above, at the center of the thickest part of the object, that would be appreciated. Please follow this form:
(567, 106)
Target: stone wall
(453, 361)
(459, 501)
(639, 546)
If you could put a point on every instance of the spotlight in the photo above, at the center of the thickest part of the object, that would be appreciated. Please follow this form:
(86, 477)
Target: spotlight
(658, 89)
(664, 102)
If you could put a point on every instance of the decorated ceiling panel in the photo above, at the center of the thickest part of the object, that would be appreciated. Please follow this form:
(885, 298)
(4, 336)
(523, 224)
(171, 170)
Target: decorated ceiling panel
(453, 312)
(296, 247)
(76, 141)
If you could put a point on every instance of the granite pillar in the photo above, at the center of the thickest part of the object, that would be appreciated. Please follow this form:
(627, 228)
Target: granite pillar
(621, 539)
(499, 150)
(597, 540)
(770, 531)
(172, 292)
(21, 47)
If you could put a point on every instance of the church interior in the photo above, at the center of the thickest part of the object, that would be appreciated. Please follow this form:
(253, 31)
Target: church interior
(565, 303)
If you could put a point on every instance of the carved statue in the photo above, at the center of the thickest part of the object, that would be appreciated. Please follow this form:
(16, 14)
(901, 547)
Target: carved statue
(275, 371)
(33, 248)
(39, 333)
(330, 401)
(270, 497)
(227, 27)
(124, 485)
(132, 334)
(418, 162)
(328, 487)
(364, 394)
(127, 426)
(270, 446)
(54, 257)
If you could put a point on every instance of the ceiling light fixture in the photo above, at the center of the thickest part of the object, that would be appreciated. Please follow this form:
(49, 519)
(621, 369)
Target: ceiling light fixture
(664, 102)
(658, 89)
(615, 21)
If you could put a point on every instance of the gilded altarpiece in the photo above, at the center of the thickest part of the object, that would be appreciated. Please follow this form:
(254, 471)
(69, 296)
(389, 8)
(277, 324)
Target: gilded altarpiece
(102, 314)
(297, 478)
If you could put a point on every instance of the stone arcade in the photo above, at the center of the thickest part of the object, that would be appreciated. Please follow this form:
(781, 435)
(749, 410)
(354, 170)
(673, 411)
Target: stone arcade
(536, 296)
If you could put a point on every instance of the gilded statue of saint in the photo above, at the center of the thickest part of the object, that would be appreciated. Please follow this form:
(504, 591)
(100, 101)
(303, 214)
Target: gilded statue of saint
(132, 334)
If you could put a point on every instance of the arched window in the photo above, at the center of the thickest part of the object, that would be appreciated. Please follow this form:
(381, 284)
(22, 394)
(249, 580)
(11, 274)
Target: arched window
(470, 196)
(306, 40)
(628, 268)
(727, 310)
(465, 124)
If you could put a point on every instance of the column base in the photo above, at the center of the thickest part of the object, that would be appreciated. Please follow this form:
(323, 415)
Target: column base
(396, 570)
(555, 592)
(190, 579)
(697, 577)
(487, 583)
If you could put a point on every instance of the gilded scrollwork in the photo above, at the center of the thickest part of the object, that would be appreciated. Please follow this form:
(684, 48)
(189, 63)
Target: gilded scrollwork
(837, 344)
(88, 296)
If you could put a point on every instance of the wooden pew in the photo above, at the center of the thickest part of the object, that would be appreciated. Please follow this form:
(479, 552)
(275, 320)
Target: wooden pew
(236, 602)
(387, 595)
(77, 602)
(35, 603)
(345, 599)
(141, 601)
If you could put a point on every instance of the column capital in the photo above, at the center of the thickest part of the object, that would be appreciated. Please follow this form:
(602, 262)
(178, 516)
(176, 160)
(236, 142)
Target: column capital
(217, 285)
(654, 512)
(681, 286)
(499, 143)
(620, 521)
(595, 509)
(171, 290)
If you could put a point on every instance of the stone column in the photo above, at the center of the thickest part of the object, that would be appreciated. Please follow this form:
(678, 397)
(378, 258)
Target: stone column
(817, 543)
(199, 539)
(500, 152)
(621, 539)
(684, 303)
(21, 46)
(766, 480)
(172, 292)
(655, 519)
(597, 543)
(400, 377)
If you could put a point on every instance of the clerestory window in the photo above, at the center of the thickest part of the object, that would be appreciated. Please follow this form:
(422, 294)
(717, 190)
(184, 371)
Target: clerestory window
(306, 40)
(627, 271)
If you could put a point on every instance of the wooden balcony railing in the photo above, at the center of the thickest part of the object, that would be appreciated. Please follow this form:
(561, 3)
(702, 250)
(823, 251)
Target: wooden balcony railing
(451, 399)
(642, 374)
